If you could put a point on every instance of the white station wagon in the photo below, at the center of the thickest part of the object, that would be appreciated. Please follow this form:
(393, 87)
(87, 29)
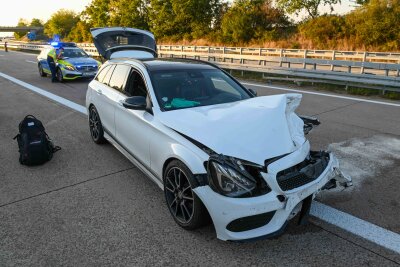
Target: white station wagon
(216, 149)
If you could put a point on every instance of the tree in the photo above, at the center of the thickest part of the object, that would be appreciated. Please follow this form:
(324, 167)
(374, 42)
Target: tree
(36, 23)
(61, 23)
(252, 19)
(361, 2)
(324, 31)
(183, 19)
(80, 33)
(97, 14)
(376, 24)
(309, 6)
(21, 23)
(130, 13)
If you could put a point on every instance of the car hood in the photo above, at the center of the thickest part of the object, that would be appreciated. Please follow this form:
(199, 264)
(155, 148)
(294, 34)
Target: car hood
(255, 129)
(81, 61)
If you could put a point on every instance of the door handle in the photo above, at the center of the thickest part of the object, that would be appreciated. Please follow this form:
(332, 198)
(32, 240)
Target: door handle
(99, 92)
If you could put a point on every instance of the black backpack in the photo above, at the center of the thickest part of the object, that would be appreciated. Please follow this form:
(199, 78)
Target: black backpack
(35, 146)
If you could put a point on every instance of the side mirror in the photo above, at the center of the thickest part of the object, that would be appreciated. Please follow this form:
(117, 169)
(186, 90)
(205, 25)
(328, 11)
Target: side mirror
(135, 102)
(254, 93)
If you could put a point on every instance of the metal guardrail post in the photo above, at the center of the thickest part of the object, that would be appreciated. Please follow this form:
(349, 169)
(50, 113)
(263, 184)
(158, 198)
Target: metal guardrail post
(281, 56)
(364, 59)
(333, 58)
(305, 56)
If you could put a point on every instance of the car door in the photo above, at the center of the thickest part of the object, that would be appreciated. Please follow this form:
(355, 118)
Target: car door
(43, 60)
(133, 127)
(104, 98)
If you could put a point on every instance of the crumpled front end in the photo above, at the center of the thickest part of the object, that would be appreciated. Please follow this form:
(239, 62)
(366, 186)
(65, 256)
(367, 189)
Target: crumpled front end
(253, 199)
(267, 204)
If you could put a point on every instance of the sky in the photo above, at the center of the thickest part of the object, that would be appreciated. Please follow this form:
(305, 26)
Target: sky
(12, 10)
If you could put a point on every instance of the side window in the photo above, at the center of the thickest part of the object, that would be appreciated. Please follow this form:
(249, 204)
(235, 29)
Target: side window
(102, 73)
(118, 77)
(107, 77)
(136, 85)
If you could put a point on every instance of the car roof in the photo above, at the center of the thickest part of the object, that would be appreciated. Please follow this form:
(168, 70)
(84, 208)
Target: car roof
(156, 64)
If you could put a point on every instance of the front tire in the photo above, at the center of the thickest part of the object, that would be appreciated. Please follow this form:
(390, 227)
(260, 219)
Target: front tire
(59, 75)
(184, 205)
(95, 126)
(41, 71)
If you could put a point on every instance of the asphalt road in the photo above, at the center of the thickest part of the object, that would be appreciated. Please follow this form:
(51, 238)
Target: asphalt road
(90, 206)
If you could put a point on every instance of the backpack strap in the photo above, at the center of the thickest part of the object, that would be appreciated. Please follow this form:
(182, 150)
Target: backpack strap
(30, 116)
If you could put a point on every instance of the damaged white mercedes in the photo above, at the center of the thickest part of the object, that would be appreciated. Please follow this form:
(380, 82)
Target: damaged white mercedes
(218, 151)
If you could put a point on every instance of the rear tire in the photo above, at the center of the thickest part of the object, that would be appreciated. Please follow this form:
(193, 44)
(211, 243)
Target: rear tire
(184, 205)
(41, 71)
(59, 75)
(95, 126)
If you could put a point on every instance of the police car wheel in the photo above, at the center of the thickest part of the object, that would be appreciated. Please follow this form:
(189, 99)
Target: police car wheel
(59, 75)
(41, 72)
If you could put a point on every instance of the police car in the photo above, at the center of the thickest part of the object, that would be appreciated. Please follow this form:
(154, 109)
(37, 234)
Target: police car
(75, 63)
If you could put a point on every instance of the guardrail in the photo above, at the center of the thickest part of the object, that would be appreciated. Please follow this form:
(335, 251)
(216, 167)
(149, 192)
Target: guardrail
(364, 69)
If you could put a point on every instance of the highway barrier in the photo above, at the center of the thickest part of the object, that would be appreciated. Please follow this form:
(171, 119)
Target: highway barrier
(375, 70)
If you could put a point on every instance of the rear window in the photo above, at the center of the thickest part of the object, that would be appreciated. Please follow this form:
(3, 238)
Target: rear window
(177, 89)
(117, 38)
(107, 77)
(102, 73)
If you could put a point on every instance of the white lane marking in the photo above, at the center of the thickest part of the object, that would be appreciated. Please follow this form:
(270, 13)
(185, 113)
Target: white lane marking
(323, 94)
(354, 225)
(42, 92)
(30, 61)
(1, 55)
(369, 231)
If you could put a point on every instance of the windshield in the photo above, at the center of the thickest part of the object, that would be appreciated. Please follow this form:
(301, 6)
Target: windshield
(74, 52)
(177, 89)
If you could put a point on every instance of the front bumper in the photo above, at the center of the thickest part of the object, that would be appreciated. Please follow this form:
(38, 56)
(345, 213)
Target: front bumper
(71, 74)
(276, 207)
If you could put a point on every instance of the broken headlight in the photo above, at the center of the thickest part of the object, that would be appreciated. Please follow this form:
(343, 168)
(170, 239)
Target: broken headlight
(229, 177)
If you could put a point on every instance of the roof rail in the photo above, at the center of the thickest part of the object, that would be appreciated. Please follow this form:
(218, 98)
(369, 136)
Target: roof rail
(193, 59)
(130, 59)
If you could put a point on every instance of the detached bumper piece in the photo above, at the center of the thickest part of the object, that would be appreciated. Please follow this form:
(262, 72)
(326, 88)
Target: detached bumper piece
(304, 172)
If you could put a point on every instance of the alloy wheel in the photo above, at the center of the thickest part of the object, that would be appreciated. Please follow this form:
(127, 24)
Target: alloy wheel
(59, 75)
(41, 72)
(94, 124)
(179, 195)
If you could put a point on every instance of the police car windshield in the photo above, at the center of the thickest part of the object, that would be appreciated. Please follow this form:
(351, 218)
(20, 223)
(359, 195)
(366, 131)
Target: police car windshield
(74, 53)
